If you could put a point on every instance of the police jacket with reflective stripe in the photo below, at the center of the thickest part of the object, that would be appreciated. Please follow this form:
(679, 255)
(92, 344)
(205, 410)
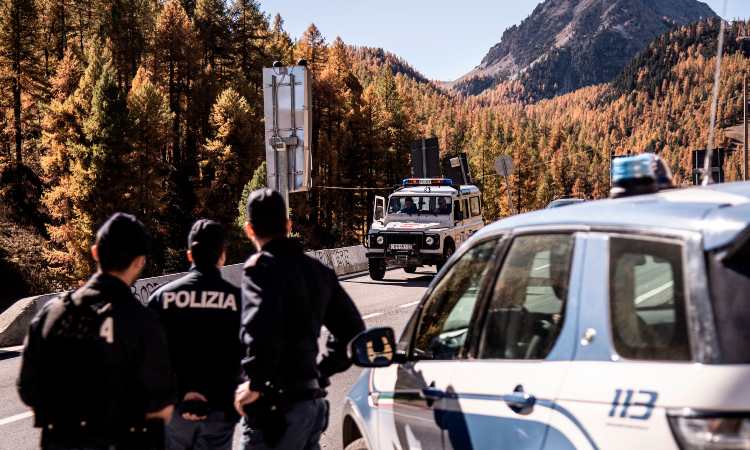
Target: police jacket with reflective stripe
(95, 362)
(200, 313)
(286, 297)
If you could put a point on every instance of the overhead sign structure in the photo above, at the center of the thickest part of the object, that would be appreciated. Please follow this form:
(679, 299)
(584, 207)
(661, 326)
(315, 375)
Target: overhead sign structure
(457, 168)
(425, 158)
(504, 168)
(287, 105)
(718, 157)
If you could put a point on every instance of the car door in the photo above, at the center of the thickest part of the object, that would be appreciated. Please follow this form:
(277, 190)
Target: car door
(507, 390)
(412, 397)
(634, 359)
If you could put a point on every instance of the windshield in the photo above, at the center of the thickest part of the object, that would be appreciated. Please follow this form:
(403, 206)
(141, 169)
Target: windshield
(410, 205)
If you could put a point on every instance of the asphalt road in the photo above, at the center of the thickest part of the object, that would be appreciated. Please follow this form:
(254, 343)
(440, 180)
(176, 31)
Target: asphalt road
(385, 303)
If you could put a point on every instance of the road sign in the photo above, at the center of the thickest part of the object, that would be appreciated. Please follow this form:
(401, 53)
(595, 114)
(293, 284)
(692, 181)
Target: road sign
(425, 158)
(287, 104)
(718, 158)
(457, 168)
(504, 165)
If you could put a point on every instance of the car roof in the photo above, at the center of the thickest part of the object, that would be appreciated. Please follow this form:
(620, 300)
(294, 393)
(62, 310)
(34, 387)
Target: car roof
(720, 212)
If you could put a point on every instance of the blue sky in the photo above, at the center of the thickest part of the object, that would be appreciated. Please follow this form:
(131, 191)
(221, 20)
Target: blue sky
(442, 39)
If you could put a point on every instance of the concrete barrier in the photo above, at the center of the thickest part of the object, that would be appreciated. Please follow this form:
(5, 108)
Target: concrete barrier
(15, 320)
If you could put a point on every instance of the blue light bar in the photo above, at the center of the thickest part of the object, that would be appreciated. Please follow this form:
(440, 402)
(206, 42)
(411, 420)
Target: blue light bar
(641, 174)
(427, 182)
(633, 168)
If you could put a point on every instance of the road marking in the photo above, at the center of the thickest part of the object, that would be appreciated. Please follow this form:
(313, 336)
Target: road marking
(409, 305)
(647, 295)
(370, 316)
(16, 418)
(376, 314)
(17, 348)
(540, 267)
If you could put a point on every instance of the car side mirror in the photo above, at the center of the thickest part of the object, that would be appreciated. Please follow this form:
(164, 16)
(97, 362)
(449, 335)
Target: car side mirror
(375, 347)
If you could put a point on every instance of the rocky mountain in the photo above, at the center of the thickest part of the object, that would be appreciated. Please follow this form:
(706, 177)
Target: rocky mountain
(567, 44)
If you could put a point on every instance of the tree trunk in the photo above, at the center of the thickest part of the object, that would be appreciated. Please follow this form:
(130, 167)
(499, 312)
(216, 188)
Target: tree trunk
(17, 118)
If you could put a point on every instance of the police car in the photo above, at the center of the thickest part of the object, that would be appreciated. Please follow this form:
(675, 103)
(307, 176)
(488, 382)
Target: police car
(613, 324)
(423, 223)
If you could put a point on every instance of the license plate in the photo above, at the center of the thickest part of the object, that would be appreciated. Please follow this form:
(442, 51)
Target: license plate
(401, 246)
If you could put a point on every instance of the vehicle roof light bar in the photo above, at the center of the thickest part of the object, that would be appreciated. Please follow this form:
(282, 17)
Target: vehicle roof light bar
(427, 182)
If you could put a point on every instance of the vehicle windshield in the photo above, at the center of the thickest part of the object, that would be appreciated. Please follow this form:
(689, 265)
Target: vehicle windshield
(411, 205)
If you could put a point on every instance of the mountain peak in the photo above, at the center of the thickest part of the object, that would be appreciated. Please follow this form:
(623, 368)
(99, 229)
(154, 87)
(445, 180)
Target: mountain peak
(567, 44)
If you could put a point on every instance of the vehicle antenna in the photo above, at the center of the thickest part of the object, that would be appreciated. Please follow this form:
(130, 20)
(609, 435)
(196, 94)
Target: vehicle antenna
(707, 178)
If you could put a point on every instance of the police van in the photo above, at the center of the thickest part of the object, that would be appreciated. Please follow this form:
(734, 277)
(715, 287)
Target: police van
(613, 324)
(423, 223)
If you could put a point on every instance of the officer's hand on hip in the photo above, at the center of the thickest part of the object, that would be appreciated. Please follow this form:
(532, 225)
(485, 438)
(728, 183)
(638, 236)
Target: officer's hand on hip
(244, 396)
(194, 397)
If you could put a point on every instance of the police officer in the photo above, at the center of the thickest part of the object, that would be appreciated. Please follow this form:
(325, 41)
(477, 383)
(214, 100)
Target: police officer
(95, 366)
(286, 297)
(200, 313)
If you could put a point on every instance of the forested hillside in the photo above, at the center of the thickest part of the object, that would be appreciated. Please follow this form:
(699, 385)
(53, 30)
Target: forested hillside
(156, 109)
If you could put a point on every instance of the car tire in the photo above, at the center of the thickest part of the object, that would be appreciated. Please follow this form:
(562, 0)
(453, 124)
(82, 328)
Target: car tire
(376, 267)
(359, 444)
(447, 253)
(410, 269)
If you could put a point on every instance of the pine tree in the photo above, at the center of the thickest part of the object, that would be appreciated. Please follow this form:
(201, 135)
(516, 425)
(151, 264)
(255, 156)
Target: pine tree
(21, 71)
(225, 159)
(212, 24)
(175, 66)
(249, 34)
(312, 47)
(258, 181)
(280, 46)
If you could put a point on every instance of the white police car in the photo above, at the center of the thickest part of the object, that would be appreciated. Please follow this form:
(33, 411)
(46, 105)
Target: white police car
(614, 324)
(425, 221)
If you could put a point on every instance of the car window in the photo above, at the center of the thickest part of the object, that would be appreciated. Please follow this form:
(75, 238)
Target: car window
(475, 208)
(526, 312)
(446, 315)
(647, 300)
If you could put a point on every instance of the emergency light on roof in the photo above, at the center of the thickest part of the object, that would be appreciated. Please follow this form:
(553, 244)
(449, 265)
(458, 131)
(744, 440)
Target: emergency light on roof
(641, 174)
(427, 182)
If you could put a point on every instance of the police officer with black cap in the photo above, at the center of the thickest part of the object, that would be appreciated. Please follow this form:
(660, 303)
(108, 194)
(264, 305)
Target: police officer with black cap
(201, 316)
(95, 366)
(287, 297)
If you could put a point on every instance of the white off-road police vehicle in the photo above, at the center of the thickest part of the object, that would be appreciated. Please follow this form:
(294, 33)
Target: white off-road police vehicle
(423, 223)
(617, 324)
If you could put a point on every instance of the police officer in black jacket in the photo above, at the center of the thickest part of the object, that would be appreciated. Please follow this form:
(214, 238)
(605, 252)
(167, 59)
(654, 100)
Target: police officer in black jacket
(95, 366)
(200, 313)
(286, 297)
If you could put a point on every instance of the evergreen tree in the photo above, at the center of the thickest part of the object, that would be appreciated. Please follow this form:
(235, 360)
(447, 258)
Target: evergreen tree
(21, 71)
(258, 181)
(225, 159)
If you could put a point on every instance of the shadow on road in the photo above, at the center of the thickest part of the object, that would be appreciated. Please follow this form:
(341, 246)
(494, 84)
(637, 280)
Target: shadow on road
(420, 281)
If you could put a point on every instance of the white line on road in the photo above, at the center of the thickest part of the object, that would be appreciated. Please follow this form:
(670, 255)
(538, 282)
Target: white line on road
(647, 295)
(16, 418)
(409, 305)
(376, 314)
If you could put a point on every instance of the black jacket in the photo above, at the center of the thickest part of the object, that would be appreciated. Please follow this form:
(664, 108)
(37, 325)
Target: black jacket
(200, 313)
(286, 297)
(94, 363)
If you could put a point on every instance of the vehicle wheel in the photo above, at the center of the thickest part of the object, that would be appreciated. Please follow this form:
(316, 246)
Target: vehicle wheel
(376, 267)
(447, 253)
(359, 444)
(410, 269)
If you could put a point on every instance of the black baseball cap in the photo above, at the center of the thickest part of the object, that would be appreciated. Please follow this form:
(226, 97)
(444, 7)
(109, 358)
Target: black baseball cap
(120, 240)
(267, 213)
(206, 242)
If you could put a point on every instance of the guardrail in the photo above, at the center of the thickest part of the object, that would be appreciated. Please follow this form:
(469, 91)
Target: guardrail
(14, 322)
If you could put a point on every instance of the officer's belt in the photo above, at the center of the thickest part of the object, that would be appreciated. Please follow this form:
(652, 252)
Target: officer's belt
(302, 386)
